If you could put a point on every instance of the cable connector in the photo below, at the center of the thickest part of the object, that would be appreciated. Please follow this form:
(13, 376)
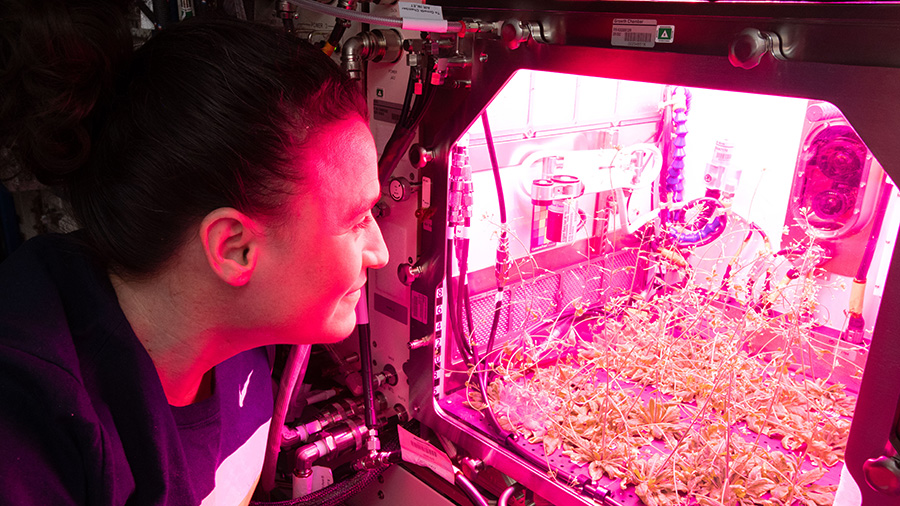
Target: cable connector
(460, 185)
(376, 460)
(373, 444)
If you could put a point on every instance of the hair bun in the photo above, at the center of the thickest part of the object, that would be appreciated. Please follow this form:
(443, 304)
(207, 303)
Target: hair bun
(57, 62)
(60, 152)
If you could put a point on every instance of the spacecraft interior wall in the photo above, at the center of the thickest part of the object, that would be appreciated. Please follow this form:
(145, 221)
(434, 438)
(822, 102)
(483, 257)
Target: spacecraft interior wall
(638, 268)
(676, 284)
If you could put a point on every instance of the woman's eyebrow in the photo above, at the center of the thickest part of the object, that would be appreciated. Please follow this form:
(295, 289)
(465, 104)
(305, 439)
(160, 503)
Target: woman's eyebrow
(364, 206)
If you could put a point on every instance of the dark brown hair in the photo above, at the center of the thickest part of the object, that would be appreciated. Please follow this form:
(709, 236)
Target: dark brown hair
(208, 113)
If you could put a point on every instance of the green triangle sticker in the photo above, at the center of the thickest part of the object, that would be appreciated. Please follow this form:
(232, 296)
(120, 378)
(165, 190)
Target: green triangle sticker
(665, 33)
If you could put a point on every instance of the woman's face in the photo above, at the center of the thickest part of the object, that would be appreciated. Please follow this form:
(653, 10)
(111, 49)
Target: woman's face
(319, 255)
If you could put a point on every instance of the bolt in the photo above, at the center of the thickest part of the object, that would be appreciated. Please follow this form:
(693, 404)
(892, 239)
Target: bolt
(483, 58)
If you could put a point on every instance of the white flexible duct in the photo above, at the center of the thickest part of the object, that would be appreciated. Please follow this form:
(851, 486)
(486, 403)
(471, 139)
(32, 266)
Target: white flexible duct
(422, 25)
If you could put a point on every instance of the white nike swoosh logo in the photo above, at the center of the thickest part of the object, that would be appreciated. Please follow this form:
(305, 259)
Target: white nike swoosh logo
(243, 392)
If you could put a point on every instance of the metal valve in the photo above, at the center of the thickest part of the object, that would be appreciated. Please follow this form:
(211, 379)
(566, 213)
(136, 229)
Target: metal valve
(374, 46)
(514, 33)
(883, 474)
(749, 47)
(408, 273)
(421, 342)
(419, 156)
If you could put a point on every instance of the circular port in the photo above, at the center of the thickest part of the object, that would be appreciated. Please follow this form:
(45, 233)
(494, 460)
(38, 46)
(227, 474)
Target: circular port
(829, 204)
(841, 160)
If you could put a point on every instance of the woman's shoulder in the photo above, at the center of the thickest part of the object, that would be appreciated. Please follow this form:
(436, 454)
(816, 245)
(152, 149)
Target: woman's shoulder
(33, 319)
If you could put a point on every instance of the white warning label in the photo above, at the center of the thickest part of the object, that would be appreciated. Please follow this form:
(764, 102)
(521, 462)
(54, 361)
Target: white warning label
(411, 10)
(628, 32)
(421, 453)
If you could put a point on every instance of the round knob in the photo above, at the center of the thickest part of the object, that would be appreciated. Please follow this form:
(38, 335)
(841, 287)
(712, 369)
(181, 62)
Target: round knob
(408, 273)
(402, 415)
(381, 210)
(514, 33)
(883, 474)
(400, 189)
(390, 375)
(748, 48)
(829, 204)
(419, 156)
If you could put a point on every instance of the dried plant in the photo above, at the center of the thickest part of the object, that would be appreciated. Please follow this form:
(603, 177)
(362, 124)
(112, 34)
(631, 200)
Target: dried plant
(672, 390)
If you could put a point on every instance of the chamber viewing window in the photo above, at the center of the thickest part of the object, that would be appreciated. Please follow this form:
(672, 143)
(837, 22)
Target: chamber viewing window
(665, 287)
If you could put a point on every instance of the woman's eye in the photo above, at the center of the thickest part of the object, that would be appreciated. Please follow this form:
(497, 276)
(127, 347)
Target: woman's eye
(365, 222)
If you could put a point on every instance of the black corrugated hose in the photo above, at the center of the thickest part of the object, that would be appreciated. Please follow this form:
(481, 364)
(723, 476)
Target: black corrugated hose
(339, 492)
(334, 494)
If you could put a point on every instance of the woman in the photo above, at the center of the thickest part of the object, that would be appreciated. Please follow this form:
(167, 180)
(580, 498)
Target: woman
(222, 175)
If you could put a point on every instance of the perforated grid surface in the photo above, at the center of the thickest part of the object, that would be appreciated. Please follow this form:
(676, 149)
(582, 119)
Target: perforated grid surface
(588, 284)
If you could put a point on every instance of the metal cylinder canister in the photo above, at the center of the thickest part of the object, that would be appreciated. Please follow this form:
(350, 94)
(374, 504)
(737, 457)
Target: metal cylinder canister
(541, 192)
(562, 215)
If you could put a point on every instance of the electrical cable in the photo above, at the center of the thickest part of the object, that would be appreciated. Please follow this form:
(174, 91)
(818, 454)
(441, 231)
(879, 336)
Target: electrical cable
(500, 272)
(463, 312)
(461, 343)
(294, 369)
(145, 10)
(459, 304)
(340, 27)
(503, 244)
(863, 270)
(469, 488)
(481, 376)
(856, 322)
(163, 16)
(461, 253)
(407, 96)
(411, 116)
(365, 357)
(334, 38)
(464, 306)
(422, 102)
(507, 495)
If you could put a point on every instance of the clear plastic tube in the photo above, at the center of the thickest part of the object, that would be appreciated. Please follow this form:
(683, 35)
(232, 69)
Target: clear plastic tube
(362, 17)
(372, 19)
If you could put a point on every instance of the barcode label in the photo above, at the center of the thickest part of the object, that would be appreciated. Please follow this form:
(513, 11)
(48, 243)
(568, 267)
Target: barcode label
(638, 37)
(418, 307)
(421, 453)
(633, 32)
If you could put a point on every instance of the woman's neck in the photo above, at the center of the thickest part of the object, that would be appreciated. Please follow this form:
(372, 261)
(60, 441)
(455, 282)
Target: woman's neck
(174, 335)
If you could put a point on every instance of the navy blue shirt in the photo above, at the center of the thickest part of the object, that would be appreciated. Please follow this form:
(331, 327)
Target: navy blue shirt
(83, 416)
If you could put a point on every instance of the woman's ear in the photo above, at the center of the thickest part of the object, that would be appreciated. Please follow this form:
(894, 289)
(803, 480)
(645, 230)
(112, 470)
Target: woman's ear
(231, 241)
